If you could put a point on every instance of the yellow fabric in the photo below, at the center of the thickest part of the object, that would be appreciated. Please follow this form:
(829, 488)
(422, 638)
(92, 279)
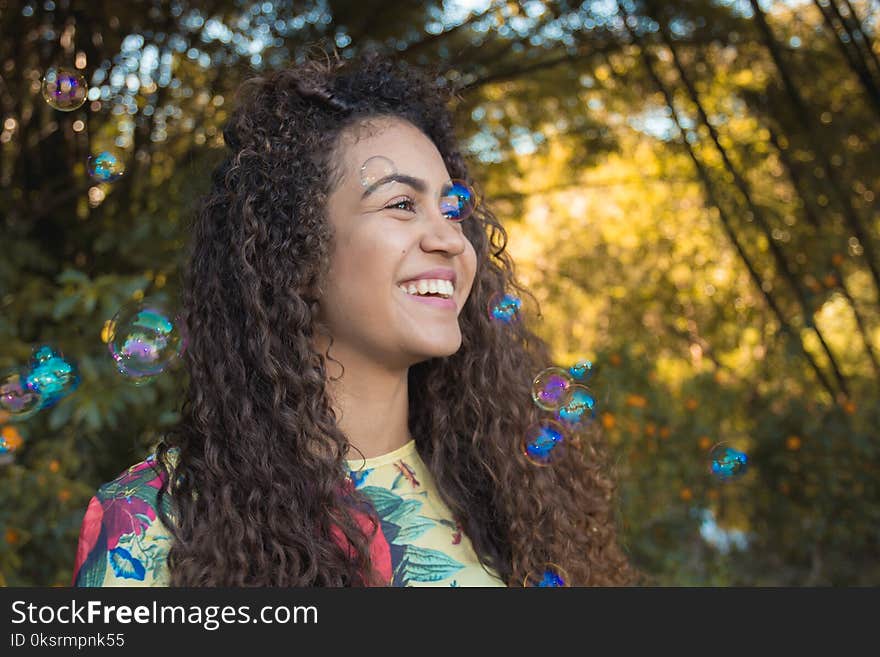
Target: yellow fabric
(124, 543)
(428, 547)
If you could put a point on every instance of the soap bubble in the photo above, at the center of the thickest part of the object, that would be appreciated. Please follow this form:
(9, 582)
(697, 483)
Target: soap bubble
(504, 308)
(457, 200)
(578, 406)
(552, 577)
(144, 338)
(581, 371)
(549, 387)
(541, 443)
(375, 169)
(64, 89)
(51, 375)
(727, 463)
(16, 399)
(106, 167)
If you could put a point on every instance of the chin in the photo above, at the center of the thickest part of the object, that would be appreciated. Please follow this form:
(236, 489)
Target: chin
(440, 349)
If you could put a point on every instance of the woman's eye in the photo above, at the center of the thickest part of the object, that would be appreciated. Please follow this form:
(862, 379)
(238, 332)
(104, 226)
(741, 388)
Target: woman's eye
(403, 204)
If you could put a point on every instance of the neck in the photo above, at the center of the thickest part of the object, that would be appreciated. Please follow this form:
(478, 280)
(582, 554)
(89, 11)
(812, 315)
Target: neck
(371, 403)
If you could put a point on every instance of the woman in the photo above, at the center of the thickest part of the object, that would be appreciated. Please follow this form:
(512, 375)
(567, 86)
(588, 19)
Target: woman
(342, 428)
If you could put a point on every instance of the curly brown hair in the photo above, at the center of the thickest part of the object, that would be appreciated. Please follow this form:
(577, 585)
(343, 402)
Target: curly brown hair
(256, 488)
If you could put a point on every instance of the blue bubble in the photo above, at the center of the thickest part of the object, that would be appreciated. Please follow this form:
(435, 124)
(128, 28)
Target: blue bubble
(581, 371)
(457, 200)
(541, 442)
(504, 308)
(106, 167)
(578, 406)
(51, 375)
(552, 577)
(727, 463)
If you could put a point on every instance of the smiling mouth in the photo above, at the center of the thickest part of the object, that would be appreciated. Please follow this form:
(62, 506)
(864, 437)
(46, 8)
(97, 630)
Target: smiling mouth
(436, 289)
(432, 299)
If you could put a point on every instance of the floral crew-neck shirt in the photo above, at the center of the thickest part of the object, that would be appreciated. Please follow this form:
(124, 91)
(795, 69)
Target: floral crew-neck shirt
(123, 543)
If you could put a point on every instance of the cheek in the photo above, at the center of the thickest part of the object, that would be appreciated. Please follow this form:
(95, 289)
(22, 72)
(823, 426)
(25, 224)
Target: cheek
(471, 263)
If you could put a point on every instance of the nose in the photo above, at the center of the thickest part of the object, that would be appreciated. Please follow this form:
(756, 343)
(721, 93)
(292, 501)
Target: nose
(443, 234)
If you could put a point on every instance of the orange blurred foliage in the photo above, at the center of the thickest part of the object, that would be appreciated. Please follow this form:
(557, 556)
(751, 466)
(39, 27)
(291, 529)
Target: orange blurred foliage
(636, 401)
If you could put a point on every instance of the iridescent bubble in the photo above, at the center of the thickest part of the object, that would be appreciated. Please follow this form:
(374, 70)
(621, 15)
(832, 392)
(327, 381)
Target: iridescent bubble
(64, 89)
(727, 463)
(375, 169)
(541, 443)
(16, 398)
(106, 167)
(144, 339)
(549, 387)
(51, 375)
(457, 200)
(504, 308)
(578, 406)
(581, 370)
(553, 576)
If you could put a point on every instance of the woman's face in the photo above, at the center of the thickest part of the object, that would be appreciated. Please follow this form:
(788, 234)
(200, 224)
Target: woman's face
(388, 234)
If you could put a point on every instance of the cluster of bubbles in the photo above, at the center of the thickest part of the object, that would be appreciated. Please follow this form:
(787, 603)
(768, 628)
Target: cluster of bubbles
(65, 89)
(39, 384)
(727, 463)
(457, 200)
(143, 338)
(552, 577)
(563, 393)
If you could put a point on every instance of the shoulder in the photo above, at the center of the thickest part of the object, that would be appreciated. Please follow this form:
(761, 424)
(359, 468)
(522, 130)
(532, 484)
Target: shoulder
(123, 542)
(141, 481)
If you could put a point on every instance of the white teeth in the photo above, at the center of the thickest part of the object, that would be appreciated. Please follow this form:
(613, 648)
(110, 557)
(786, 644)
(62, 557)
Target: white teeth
(428, 286)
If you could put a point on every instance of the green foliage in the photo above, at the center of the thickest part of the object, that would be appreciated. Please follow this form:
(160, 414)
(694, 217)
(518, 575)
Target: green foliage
(706, 297)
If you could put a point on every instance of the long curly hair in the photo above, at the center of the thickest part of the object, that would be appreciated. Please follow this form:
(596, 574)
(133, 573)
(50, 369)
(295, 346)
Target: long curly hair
(258, 487)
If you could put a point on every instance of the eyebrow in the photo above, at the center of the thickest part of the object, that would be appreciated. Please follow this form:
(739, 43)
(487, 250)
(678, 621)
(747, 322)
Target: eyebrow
(416, 183)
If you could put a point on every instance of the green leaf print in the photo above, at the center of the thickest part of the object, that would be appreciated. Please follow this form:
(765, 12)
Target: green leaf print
(383, 499)
(425, 565)
(413, 529)
(402, 515)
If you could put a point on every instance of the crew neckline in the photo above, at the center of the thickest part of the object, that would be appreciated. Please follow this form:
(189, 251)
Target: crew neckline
(406, 449)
